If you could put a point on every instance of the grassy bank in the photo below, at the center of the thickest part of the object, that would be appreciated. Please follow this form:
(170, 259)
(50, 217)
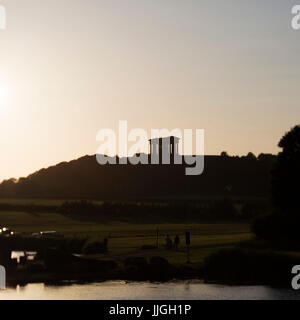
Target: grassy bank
(126, 238)
(219, 252)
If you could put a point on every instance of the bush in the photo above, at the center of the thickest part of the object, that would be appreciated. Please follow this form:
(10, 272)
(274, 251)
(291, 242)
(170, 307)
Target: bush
(236, 266)
(224, 209)
(94, 247)
(148, 247)
(280, 228)
(135, 262)
(159, 261)
(74, 245)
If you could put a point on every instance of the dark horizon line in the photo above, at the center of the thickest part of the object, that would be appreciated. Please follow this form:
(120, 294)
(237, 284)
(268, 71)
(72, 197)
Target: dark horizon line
(94, 155)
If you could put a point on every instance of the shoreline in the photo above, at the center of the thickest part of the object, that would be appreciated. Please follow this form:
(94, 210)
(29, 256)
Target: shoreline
(196, 275)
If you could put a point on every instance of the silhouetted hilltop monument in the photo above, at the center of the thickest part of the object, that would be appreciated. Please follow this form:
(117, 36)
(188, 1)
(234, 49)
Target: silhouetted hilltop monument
(167, 147)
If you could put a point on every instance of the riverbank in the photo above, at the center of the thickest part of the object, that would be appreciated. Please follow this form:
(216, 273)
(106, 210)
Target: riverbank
(127, 290)
(244, 262)
(238, 266)
(85, 270)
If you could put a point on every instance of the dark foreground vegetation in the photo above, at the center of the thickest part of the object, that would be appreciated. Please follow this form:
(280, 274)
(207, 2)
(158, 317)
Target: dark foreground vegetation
(248, 266)
(86, 270)
(252, 262)
(56, 261)
(270, 257)
(214, 210)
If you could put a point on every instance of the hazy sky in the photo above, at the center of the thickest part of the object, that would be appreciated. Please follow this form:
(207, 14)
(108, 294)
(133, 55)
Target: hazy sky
(71, 67)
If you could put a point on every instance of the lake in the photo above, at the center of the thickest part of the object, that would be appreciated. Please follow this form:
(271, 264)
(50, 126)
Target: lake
(121, 290)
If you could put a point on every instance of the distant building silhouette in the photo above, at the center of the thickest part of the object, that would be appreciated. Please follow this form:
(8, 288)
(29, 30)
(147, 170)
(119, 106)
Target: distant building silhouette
(164, 150)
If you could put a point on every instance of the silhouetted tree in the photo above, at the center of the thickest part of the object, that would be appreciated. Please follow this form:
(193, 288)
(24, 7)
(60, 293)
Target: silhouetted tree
(286, 175)
(267, 157)
(282, 225)
(223, 209)
(224, 154)
(251, 156)
(7, 187)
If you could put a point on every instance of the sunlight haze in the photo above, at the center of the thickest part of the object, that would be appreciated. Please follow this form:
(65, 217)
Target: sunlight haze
(69, 68)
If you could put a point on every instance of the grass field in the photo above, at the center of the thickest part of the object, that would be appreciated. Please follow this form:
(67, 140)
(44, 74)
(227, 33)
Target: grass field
(32, 201)
(125, 238)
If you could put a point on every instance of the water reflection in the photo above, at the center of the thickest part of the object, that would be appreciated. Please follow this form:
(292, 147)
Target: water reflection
(121, 290)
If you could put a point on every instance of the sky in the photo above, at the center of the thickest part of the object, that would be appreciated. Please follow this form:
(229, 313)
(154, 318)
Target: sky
(69, 68)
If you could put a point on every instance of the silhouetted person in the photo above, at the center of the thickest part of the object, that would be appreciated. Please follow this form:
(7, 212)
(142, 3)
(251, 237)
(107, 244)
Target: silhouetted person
(176, 242)
(168, 242)
(105, 244)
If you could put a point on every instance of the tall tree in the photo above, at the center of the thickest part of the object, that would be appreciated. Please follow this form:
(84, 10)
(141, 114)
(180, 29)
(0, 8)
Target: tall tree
(286, 175)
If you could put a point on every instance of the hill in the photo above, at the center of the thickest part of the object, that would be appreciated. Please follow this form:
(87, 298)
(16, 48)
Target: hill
(84, 178)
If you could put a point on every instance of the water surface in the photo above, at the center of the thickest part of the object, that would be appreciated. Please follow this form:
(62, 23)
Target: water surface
(121, 290)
